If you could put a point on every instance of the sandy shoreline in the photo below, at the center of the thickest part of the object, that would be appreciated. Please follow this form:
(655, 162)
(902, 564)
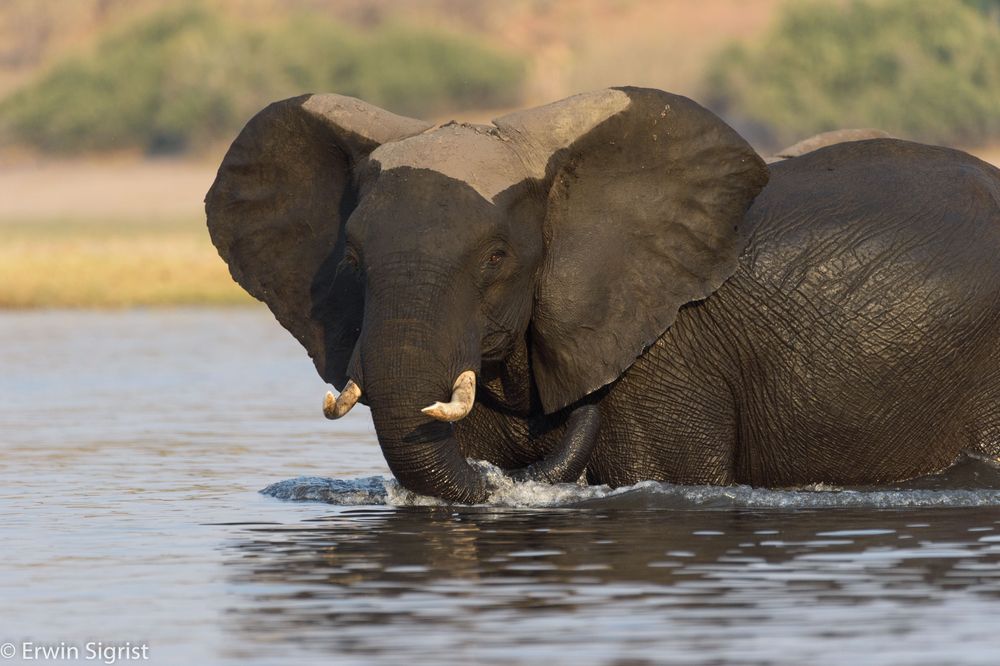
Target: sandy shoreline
(119, 233)
(130, 191)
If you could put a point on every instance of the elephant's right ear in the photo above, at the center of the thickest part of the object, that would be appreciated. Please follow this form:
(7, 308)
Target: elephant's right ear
(277, 209)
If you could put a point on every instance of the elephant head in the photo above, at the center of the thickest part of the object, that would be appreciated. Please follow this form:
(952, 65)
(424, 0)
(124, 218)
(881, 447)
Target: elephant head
(405, 256)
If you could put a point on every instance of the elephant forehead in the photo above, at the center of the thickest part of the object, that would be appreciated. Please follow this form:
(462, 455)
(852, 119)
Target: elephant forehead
(409, 209)
(472, 154)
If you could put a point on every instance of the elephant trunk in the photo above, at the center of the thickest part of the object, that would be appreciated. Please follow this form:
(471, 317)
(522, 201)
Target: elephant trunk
(424, 455)
(405, 367)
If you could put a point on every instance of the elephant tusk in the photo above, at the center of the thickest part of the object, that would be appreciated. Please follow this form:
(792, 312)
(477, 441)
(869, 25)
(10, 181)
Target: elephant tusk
(334, 408)
(463, 396)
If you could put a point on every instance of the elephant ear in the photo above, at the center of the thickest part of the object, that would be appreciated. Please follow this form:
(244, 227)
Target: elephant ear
(278, 206)
(647, 191)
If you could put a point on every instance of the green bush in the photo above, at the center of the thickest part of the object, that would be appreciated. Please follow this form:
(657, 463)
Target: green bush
(185, 77)
(923, 70)
(989, 7)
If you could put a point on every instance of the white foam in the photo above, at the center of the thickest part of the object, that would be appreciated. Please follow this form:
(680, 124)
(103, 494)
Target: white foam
(377, 490)
(506, 492)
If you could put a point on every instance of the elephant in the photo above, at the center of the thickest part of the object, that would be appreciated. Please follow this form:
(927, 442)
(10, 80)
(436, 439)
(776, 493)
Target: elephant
(824, 139)
(615, 287)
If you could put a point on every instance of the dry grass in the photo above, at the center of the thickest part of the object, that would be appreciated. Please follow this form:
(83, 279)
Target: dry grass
(117, 233)
(67, 264)
(84, 234)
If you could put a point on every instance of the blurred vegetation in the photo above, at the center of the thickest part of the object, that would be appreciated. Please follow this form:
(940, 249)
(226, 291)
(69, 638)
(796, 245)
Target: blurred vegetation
(186, 76)
(989, 7)
(928, 71)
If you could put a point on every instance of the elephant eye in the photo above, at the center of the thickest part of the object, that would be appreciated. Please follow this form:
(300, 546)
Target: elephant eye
(351, 258)
(496, 258)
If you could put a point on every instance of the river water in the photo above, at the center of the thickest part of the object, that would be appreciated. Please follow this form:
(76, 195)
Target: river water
(134, 445)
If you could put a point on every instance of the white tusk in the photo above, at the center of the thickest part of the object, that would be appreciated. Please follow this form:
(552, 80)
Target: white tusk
(463, 396)
(334, 408)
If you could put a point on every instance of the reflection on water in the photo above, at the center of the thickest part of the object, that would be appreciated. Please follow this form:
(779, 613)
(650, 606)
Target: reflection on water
(134, 443)
(706, 586)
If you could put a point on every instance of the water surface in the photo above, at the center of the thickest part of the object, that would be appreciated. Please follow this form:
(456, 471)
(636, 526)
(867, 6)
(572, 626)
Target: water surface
(134, 445)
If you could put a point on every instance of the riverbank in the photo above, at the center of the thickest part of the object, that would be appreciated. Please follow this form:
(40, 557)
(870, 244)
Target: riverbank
(118, 233)
(84, 264)
(108, 234)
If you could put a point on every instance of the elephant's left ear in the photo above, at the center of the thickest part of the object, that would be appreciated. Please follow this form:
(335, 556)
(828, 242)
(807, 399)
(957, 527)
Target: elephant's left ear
(646, 194)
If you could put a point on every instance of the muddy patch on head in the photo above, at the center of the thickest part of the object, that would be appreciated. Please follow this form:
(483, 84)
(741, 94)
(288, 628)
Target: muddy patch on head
(473, 154)
(493, 158)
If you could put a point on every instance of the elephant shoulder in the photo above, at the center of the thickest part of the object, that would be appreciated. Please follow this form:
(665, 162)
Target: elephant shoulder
(870, 212)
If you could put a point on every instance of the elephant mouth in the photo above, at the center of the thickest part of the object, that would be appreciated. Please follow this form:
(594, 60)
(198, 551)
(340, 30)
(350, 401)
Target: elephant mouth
(497, 345)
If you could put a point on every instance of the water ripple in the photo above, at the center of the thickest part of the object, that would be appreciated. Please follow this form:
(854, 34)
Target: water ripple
(378, 490)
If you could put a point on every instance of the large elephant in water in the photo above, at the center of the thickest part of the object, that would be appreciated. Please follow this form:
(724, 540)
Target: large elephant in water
(617, 285)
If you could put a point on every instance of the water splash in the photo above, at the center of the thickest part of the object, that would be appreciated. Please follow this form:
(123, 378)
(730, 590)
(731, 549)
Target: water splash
(940, 490)
(366, 491)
